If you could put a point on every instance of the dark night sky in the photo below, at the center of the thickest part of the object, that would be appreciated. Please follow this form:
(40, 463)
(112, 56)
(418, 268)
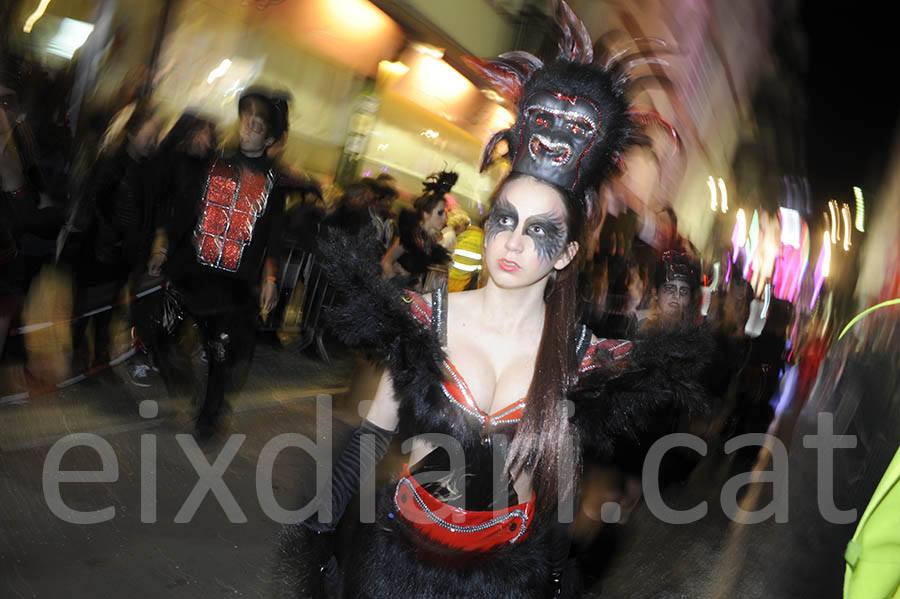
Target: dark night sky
(852, 95)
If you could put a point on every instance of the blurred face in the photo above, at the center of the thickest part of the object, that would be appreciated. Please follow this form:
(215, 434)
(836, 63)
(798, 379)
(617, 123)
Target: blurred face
(526, 236)
(735, 311)
(383, 207)
(254, 131)
(666, 230)
(360, 200)
(143, 143)
(674, 299)
(435, 220)
(9, 108)
(201, 143)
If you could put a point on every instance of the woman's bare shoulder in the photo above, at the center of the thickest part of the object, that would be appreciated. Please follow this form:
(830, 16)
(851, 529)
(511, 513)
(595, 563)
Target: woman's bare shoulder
(464, 301)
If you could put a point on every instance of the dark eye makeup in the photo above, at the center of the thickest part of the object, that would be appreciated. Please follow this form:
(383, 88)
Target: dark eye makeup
(503, 217)
(547, 231)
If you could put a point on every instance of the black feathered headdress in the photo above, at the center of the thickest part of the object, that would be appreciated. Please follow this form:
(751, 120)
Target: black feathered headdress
(440, 183)
(575, 119)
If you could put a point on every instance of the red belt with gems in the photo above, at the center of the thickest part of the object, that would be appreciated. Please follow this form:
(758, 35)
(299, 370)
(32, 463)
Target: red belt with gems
(466, 530)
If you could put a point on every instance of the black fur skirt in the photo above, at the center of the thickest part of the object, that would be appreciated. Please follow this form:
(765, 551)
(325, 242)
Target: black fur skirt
(389, 559)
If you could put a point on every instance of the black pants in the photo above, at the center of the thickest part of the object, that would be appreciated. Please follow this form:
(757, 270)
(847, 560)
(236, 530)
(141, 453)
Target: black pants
(97, 284)
(227, 335)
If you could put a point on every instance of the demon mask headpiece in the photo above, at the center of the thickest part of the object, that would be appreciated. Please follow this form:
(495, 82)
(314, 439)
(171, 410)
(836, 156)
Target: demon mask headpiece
(574, 116)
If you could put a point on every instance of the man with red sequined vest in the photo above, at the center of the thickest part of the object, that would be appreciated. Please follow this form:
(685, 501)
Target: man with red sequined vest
(221, 256)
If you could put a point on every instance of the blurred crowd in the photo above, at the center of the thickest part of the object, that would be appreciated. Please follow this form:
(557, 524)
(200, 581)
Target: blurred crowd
(105, 229)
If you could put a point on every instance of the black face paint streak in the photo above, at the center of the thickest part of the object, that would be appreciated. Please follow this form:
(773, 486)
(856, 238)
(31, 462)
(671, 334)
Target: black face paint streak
(548, 232)
(503, 217)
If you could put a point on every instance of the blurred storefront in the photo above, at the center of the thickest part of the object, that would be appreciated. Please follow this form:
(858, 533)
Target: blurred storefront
(380, 86)
(320, 52)
(369, 94)
(432, 118)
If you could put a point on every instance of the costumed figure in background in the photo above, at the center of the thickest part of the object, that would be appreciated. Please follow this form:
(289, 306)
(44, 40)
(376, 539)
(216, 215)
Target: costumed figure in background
(467, 260)
(220, 250)
(380, 210)
(457, 222)
(676, 290)
(417, 247)
(480, 510)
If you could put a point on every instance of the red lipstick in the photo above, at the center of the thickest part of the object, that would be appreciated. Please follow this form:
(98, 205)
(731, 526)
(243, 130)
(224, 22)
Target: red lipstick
(508, 265)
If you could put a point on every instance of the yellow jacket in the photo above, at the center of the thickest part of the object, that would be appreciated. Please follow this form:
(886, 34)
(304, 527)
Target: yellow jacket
(467, 258)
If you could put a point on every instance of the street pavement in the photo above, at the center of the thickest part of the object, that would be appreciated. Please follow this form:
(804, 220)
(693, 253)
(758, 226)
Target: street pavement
(136, 553)
(187, 541)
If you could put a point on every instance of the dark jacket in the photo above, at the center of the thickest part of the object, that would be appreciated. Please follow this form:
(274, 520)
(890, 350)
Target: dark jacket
(124, 194)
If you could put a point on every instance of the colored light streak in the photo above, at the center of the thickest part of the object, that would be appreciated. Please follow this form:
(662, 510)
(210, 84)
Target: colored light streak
(784, 396)
(792, 256)
(845, 213)
(858, 317)
(752, 245)
(832, 207)
(724, 193)
(219, 71)
(790, 227)
(804, 249)
(713, 200)
(37, 14)
(739, 234)
(823, 266)
(860, 210)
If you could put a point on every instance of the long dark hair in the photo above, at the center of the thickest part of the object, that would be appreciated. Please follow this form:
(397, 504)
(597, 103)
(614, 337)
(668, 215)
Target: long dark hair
(545, 444)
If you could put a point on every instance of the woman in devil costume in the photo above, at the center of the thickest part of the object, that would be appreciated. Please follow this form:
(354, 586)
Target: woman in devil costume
(480, 510)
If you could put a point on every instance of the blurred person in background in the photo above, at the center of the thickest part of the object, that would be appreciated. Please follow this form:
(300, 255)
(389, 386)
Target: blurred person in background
(457, 222)
(121, 197)
(221, 255)
(381, 209)
(186, 153)
(761, 376)
(676, 291)
(351, 213)
(30, 220)
(467, 260)
(418, 248)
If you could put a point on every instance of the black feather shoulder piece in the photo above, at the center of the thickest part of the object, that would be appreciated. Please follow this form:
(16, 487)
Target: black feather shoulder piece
(664, 377)
(371, 314)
